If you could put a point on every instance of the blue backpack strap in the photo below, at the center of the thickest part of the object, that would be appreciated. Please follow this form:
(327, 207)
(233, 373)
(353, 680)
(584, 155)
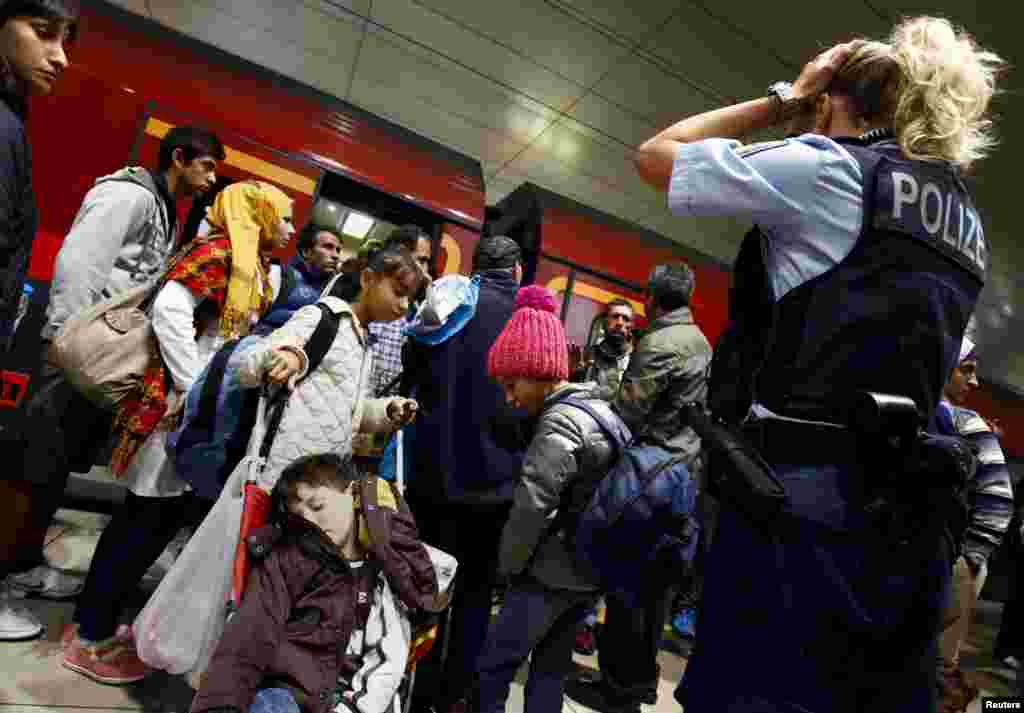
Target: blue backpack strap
(206, 416)
(614, 434)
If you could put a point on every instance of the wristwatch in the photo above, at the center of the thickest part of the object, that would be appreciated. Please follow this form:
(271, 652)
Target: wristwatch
(789, 105)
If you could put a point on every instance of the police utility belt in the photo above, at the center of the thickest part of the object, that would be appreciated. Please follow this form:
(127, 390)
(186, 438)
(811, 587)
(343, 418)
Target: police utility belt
(880, 431)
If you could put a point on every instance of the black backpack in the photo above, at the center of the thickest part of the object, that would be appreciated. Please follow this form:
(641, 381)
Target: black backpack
(206, 461)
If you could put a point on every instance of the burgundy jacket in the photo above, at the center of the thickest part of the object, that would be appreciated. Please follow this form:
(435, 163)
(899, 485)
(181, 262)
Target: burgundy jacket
(299, 609)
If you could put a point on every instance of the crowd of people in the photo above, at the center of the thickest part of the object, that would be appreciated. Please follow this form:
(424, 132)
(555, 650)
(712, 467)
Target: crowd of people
(851, 591)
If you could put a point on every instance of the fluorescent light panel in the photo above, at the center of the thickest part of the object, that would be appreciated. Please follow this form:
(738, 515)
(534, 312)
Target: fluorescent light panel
(357, 225)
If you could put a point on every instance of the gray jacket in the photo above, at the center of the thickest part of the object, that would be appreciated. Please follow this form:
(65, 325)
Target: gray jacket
(668, 369)
(122, 237)
(567, 458)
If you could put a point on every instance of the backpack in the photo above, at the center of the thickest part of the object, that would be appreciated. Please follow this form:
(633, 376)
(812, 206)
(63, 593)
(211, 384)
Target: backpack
(213, 438)
(642, 511)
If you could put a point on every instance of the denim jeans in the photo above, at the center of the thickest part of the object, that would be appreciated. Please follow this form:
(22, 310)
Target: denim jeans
(274, 700)
(538, 623)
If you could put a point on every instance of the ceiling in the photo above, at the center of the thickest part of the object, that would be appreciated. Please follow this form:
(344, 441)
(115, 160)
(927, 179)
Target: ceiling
(560, 92)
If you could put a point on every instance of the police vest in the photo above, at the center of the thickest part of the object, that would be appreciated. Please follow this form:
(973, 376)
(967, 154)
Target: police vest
(889, 317)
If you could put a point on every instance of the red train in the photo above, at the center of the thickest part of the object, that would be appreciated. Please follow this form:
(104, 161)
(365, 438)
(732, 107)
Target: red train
(132, 80)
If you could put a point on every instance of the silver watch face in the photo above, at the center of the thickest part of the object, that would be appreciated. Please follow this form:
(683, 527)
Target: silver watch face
(782, 90)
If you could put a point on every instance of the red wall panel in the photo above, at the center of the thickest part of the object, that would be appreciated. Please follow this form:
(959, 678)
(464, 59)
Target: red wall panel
(629, 256)
(82, 132)
(162, 67)
(455, 256)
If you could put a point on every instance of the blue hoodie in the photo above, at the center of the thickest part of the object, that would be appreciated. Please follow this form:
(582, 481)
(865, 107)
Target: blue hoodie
(307, 284)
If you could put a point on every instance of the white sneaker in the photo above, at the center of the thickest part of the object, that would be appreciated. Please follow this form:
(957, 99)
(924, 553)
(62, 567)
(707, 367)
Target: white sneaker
(1012, 661)
(48, 582)
(17, 623)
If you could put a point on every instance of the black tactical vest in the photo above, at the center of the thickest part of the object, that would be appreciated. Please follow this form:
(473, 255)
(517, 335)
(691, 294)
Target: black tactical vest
(889, 318)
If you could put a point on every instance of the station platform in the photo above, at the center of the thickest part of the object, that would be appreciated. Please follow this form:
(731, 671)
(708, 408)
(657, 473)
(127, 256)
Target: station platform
(33, 681)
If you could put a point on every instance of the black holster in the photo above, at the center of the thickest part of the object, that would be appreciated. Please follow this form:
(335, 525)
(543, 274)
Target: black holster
(918, 480)
(737, 474)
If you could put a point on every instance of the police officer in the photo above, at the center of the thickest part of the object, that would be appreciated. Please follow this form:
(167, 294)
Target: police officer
(860, 275)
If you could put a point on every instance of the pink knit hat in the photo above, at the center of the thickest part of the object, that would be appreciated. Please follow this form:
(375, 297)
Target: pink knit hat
(532, 345)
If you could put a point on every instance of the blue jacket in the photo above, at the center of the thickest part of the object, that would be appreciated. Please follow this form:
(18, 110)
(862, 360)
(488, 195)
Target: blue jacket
(306, 284)
(469, 443)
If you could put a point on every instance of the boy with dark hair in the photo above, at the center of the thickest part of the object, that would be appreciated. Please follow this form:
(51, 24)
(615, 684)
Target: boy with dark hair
(193, 143)
(322, 581)
(123, 237)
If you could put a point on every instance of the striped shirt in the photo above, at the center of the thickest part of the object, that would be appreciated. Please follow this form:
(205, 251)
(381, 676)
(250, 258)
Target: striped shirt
(991, 492)
(387, 353)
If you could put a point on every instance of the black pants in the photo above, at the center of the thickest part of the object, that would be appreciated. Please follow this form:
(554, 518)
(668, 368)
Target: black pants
(471, 534)
(61, 432)
(1010, 641)
(138, 532)
(627, 651)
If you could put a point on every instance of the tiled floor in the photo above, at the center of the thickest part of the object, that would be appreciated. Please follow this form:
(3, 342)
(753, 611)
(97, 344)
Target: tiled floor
(33, 681)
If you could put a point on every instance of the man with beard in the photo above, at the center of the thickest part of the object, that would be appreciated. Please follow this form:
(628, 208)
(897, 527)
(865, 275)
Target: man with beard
(611, 354)
(608, 363)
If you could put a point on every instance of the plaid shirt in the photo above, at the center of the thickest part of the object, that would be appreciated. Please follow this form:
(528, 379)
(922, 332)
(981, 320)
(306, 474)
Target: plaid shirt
(387, 341)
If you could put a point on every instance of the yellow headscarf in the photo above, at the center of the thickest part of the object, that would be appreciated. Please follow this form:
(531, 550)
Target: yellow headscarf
(248, 213)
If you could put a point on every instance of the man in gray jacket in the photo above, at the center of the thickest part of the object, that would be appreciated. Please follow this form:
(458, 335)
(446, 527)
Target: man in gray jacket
(668, 369)
(123, 236)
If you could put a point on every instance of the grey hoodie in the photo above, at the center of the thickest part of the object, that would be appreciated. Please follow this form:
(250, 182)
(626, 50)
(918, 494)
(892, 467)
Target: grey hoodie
(122, 237)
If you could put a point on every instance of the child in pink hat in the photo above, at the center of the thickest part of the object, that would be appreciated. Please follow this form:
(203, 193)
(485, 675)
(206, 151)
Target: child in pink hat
(549, 593)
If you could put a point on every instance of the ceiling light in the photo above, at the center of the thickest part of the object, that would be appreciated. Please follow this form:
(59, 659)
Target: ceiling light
(357, 225)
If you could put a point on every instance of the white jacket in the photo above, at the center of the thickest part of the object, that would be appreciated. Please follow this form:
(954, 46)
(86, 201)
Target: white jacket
(328, 406)
(382, 650)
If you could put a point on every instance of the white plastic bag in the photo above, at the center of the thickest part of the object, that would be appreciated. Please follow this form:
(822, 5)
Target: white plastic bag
(180, 626)
(183, 620)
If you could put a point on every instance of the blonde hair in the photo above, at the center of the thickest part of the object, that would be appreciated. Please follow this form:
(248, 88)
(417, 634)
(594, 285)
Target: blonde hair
(932, 84)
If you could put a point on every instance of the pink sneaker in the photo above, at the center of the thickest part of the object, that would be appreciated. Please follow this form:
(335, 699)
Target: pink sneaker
(113, 662)
(124, 633)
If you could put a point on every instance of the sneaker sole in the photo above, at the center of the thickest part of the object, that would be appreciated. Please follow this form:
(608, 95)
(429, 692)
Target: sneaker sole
(22, 636)
(51, 594)
(100, 679)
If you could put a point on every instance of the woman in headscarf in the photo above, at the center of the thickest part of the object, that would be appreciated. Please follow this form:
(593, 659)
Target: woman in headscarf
(216, 288)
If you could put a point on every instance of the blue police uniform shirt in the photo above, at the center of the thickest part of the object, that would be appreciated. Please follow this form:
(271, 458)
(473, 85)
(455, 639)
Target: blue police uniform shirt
(805, 193)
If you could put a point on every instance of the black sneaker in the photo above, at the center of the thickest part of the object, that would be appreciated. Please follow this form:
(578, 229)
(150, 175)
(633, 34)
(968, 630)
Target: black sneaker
(591, 691)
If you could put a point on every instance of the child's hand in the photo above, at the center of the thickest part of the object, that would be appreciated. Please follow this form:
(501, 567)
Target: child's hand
(402, 412)
(284, 366)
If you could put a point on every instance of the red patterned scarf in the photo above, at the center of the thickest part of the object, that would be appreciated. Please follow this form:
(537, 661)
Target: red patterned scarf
(204, 267)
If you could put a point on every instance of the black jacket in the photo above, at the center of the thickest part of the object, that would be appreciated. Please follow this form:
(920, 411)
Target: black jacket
(18, 214)
(469, 444)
